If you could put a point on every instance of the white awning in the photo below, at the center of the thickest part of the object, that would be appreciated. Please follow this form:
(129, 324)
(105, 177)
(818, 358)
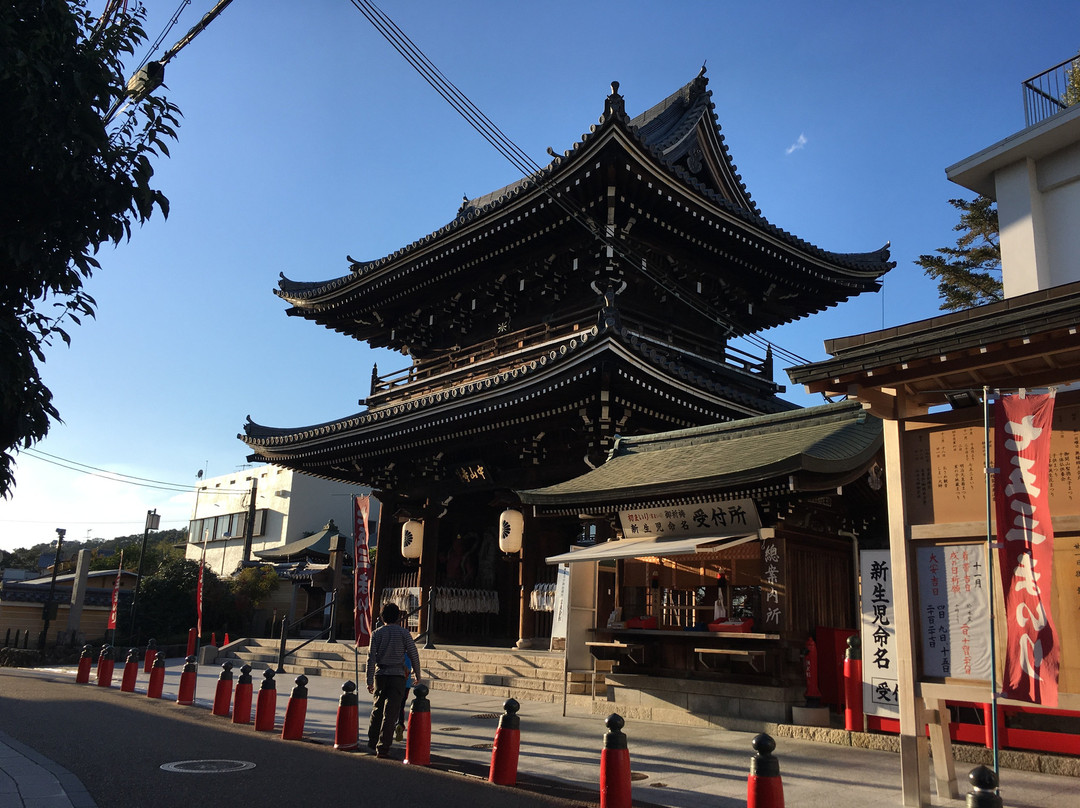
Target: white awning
(653, 546)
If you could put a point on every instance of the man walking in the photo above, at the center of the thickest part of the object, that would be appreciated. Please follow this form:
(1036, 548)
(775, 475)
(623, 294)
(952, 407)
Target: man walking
(387, 676)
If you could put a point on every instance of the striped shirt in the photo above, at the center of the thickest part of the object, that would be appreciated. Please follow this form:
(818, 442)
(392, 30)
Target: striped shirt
(390, 645)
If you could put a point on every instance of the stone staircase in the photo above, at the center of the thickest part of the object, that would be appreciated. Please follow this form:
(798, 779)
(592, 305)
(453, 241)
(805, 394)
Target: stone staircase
(525, 675)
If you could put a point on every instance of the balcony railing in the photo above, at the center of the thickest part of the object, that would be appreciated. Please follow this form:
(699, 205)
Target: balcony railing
(1052, 91)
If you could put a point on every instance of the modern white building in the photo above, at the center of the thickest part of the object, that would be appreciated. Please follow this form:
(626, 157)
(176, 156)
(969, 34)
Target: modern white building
(288, 505)
(1034, 175)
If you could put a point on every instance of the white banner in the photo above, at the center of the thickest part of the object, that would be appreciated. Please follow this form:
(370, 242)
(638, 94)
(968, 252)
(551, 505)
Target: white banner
(954, 611)
(880, 687)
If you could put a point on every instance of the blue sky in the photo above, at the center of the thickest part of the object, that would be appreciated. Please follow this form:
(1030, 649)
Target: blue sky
(306, 138)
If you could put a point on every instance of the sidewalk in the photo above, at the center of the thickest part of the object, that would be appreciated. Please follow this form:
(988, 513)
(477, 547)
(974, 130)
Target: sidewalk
(28, 780)
(672, 766)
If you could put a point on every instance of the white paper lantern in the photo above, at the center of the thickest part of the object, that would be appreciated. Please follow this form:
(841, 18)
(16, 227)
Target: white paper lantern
(511, 527)
(412, 539)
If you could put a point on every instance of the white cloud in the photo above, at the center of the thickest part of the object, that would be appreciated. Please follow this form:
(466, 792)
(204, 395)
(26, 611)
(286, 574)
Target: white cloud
(799, 143)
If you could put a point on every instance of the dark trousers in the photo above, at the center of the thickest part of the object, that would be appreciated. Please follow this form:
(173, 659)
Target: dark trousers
(389, 694)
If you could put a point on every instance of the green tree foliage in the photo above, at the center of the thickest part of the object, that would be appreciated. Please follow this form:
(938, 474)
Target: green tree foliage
(968, 274)
(70, 186)
(159, 548)
(1072, 84)
(167, 602)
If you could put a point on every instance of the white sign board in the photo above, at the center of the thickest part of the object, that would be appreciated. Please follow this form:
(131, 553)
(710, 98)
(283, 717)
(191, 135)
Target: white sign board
(954, 611)
(562, 603)
(880, 685)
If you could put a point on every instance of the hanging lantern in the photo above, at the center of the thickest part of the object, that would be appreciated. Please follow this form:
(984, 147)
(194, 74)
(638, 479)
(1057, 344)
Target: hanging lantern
(511, 527)
(412, 539)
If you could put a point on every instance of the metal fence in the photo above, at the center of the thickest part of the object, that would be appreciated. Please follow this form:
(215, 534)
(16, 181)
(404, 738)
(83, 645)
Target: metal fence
(1052, 91)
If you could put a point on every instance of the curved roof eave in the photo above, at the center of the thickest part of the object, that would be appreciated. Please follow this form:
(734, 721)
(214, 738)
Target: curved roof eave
(871, 265)
(275, 440)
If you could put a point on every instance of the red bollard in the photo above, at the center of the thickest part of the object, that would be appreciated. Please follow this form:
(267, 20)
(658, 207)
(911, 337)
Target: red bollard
(157, 677)
(241, 713)
(296, 711)
(149, 656)
(504, 752)
(131, 671)
(213, 638)
(223, 693)
(185, 696)
(106, 664)
(615, 765)
(86, 661)
(418, 741)
(347, 729)
(853, 686)
(191, 637)
(764, 789)
(266, 706)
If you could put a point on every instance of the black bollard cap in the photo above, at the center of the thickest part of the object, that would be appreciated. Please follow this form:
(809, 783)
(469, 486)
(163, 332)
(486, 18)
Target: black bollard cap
(984, 785)
(245, 669)
(226, 672)
(510, 720)
(151, 644)
(763, 764)
(421, 691)
(854, 647)
(348, 695)
(133, 655)
(615, 738)
(268, 682)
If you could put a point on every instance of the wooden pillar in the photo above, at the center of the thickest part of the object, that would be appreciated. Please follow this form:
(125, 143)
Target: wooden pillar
(914, 751)
(428, 564)
(528, 559)
(389, 548)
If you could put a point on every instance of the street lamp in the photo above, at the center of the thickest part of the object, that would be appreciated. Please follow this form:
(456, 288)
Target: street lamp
(152, 522)
(49, 610)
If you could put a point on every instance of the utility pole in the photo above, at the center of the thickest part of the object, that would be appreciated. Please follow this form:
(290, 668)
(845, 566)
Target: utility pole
(249, 526)
(49, 611)
(152, 522)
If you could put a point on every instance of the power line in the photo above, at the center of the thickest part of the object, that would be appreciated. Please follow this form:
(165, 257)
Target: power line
(530, 169)
(117, 477)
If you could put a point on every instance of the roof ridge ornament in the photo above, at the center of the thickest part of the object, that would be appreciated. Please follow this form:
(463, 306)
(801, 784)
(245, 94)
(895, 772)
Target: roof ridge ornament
(615, 106)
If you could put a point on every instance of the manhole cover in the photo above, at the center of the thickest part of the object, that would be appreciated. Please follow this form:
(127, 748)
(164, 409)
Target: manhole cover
(482, 746)
(207, 766)
(658, 785)
(638, 776)
(449, 729)
(486, 715)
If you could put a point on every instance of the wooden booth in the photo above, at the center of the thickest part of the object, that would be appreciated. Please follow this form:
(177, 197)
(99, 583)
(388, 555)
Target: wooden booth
(729, 547)
(931, 382)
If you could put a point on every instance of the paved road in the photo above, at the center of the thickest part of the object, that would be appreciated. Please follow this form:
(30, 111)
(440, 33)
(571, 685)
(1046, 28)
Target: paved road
(115, 744)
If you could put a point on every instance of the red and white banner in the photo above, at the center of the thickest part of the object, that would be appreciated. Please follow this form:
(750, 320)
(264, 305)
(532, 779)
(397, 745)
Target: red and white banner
(361, 572)
(199, 590)
(116, 594)
(1022, 428)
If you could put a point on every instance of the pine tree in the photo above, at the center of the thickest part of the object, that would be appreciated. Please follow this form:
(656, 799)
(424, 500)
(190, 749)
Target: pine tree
(969, 274)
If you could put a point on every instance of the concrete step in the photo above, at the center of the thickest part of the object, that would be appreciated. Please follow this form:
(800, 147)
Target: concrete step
(523, 674)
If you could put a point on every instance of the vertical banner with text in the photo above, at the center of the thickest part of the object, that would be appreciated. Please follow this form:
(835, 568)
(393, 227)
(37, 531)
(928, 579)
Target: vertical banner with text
(116, 594)
(881, 690)
(1022, 428)
(361, 572)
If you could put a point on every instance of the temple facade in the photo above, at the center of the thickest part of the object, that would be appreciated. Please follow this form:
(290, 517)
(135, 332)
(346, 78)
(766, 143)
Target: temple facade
(596, 298)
